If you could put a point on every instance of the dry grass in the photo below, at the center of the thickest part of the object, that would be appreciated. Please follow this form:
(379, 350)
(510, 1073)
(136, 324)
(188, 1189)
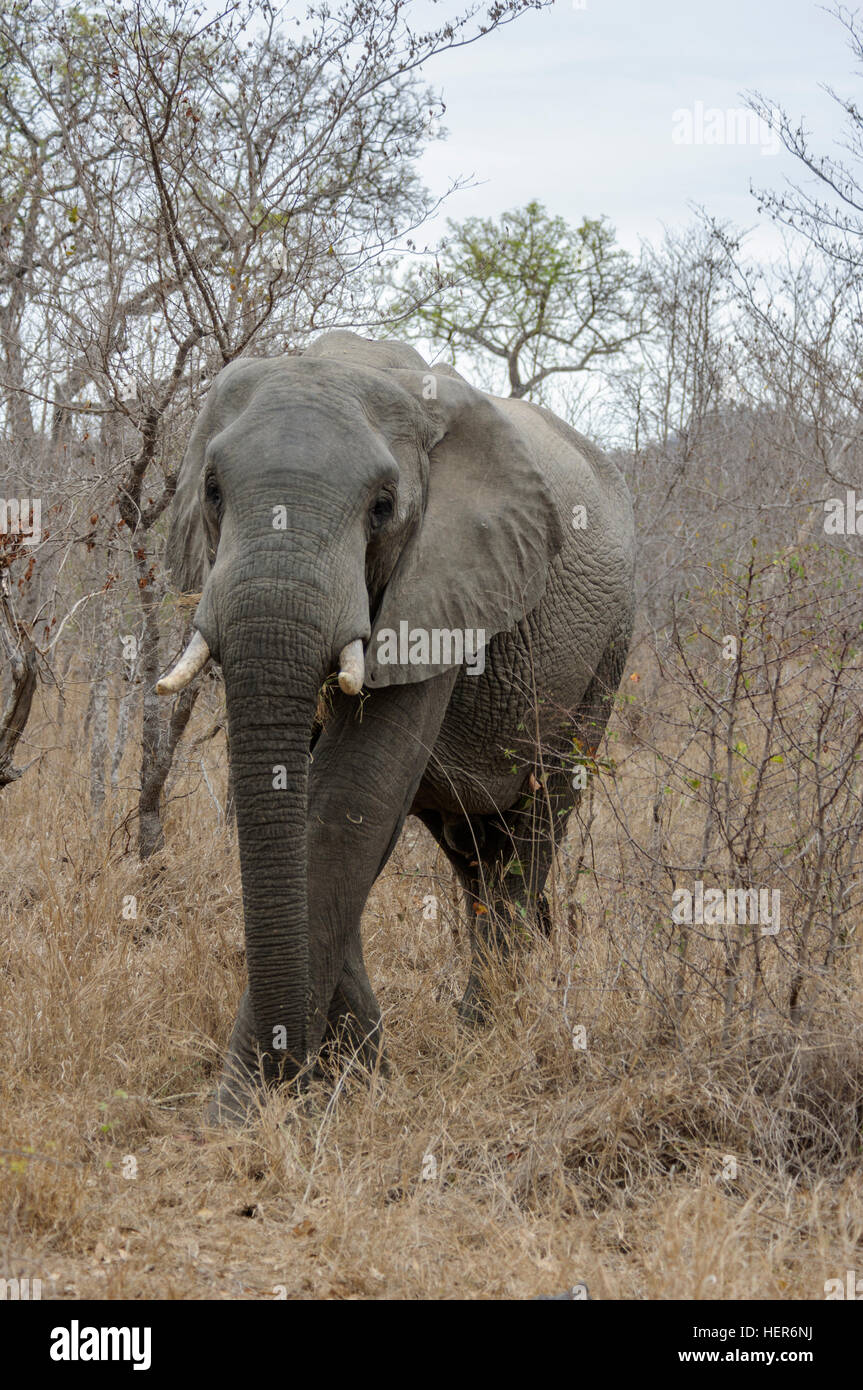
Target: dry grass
(545, 1164)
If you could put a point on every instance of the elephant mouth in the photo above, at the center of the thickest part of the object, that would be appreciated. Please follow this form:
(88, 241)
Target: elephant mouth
(197, 654)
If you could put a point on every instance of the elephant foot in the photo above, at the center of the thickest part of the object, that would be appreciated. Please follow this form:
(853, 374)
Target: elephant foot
(235, 1103)
(353, 1035)
(225, 1110)
(348, 1046)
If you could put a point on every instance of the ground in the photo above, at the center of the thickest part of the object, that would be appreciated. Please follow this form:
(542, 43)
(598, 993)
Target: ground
(579, 1139)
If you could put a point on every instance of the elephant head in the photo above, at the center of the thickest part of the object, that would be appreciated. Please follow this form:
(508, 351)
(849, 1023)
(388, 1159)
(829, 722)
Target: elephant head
(323, 498)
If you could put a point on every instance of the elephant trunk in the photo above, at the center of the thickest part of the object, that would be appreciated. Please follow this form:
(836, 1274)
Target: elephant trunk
(273, 665)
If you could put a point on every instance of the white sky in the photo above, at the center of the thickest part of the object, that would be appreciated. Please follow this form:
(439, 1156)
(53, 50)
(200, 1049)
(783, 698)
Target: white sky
(574, 107)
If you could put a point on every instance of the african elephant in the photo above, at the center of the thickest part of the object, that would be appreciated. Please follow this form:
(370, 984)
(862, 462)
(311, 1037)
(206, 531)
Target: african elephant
(465, 563)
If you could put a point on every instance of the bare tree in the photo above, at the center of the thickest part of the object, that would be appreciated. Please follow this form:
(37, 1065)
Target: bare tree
(20, 655)
(198, 187)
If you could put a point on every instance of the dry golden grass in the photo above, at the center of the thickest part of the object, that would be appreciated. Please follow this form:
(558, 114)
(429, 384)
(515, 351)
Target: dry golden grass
(546, 1165)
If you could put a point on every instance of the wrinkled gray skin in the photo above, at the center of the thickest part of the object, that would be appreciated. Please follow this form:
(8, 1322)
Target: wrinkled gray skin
(482, 492)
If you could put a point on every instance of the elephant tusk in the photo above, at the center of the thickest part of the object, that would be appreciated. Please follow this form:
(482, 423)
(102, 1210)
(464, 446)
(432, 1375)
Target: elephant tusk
(352, 668)
(194, 658)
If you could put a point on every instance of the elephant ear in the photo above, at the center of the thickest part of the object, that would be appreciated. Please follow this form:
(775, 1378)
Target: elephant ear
(189, 554)
(480, 558)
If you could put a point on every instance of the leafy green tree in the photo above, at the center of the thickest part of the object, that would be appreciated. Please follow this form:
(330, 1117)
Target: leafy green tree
(528, 291)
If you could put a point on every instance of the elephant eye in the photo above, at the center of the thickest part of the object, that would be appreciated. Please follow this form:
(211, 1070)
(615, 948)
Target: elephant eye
(381, 511)
(213, 494)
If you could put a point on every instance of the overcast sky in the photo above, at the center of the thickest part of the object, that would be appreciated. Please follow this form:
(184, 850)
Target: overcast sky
(575, 106)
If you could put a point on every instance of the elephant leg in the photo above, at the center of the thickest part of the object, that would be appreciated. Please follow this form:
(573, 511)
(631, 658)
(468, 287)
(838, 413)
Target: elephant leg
(354, 1029)
(502, 862)
(506, 900)
(233, 1100)
(367, 764)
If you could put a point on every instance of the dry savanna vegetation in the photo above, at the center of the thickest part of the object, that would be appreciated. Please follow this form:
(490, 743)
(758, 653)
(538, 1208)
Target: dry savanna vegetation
(655, 1111)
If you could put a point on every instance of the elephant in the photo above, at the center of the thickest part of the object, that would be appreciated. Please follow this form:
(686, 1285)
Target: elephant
(465, 564)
